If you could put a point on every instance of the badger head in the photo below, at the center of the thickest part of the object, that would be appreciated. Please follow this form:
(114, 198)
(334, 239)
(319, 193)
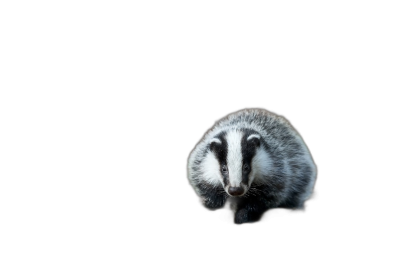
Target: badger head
(234, 159)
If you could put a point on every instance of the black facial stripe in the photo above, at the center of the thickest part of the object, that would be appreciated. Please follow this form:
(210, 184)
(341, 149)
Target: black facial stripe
(221, 153)
(248, 151)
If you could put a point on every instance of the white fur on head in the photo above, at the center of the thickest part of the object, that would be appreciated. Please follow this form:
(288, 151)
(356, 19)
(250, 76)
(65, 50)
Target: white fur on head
(253, 136)
(211, 170)
(215, 140)
(234, 157)
(261, 165)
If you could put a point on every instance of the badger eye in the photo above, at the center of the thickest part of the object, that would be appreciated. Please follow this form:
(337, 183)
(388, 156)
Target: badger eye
(224, 169)
(246, 167)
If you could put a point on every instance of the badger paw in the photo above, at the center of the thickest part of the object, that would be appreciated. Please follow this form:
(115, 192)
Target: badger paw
(244, 216)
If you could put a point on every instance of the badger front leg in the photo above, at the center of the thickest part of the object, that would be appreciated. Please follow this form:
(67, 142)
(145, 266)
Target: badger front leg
(214, 202)
(245, 216)
(247, 212)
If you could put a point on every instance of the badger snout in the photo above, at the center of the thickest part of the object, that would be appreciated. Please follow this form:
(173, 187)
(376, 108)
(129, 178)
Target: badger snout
(235, 191)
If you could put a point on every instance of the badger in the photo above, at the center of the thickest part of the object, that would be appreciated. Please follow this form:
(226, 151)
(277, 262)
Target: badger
(254, 158)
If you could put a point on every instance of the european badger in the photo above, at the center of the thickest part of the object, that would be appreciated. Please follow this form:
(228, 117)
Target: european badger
(256, 158)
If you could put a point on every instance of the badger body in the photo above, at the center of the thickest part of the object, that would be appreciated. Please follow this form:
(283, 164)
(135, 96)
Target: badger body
(256, 158)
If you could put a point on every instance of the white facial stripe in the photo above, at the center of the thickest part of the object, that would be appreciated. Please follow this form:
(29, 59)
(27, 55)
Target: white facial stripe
(253, 136)
(210, 169)
(234, 157)
(215, 140)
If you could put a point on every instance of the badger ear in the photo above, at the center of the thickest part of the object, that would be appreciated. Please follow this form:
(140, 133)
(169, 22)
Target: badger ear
(214, 143)
(254, 139)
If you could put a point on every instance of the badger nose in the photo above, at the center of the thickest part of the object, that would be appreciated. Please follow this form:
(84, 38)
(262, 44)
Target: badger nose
(235, 191)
